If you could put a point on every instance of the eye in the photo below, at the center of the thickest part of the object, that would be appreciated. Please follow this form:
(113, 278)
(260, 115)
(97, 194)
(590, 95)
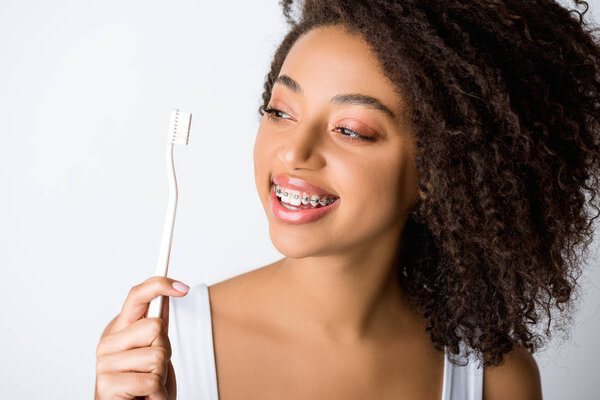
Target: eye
(271, 113)
(350, 135)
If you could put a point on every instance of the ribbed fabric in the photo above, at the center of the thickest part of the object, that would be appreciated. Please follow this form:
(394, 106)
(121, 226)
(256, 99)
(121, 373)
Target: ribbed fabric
(190, 334)
(193, 357)
(462, 382)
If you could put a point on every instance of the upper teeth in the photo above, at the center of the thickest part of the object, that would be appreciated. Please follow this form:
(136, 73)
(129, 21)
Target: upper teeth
(296, 197)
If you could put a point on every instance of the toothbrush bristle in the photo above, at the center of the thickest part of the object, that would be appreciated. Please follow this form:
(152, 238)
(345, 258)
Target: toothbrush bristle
(179, 127)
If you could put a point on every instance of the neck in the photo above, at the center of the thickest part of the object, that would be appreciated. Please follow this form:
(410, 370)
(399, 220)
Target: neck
(346, 297)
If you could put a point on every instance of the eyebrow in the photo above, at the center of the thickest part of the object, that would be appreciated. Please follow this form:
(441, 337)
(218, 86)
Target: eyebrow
(344, 98)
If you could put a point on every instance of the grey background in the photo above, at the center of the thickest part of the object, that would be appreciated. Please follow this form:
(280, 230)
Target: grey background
(86, 93)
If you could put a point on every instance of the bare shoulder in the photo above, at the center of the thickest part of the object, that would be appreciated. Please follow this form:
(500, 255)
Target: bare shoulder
(516, 378)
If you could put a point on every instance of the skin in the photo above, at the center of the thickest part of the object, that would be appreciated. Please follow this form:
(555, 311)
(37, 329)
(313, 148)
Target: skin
(133, 354)
(331, 308)
(346, 259)
(335, 289)
(328, 321)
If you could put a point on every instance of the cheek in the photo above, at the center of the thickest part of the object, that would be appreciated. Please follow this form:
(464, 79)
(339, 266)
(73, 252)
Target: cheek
(371, 179)
(373, 190)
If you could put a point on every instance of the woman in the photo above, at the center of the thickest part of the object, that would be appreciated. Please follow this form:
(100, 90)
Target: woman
(422, 165)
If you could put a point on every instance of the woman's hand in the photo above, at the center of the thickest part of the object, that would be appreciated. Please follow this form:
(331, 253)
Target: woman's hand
(133, 355)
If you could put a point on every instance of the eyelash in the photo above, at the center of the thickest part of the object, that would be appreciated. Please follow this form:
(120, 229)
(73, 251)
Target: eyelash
(270, 111)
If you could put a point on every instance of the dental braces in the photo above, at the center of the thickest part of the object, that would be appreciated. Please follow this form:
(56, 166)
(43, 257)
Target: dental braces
(307, 199)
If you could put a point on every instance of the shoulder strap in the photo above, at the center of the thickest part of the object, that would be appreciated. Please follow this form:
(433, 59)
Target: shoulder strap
(462, 382)
(190, 334)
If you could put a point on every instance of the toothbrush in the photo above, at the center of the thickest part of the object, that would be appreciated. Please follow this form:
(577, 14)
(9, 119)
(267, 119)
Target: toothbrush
(179, 133)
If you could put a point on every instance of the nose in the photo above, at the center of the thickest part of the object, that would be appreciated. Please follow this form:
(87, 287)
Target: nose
(302, 149)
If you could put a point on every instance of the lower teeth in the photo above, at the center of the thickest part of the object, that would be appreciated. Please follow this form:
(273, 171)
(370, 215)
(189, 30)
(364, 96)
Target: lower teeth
(290, 207)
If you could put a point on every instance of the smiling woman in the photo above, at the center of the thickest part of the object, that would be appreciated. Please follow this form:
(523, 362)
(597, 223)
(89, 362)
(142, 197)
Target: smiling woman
(423, 167)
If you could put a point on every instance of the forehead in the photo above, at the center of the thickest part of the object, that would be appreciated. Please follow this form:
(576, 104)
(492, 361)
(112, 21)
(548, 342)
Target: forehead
(328, 60)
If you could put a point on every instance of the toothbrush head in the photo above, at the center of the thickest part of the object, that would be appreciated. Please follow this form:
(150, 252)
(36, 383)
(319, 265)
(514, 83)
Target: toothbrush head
(179, 127)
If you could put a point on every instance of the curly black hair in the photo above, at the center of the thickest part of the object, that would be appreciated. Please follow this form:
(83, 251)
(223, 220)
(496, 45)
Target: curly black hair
(503, 99)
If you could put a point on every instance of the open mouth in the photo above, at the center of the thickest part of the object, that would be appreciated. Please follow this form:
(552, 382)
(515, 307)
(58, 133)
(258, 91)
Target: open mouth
(298, 207)
(294, 200)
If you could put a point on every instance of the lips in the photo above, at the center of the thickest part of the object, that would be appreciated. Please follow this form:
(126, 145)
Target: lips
(299, 216)
(301, 185)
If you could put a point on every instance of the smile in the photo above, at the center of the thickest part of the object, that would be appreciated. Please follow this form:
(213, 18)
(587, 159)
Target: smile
(290, 198)
(298, 207)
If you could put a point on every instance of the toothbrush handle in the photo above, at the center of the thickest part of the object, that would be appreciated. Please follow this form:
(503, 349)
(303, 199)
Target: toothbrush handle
(155, 307)
(162, 265)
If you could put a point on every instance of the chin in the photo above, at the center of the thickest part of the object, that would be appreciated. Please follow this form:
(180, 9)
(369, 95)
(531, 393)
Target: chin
(292, 247)
(297, 246)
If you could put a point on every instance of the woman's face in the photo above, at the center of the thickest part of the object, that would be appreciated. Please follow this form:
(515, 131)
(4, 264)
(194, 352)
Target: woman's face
(374, 177)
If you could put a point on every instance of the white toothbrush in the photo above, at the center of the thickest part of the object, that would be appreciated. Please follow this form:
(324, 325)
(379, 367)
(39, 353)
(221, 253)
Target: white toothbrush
(179, 133)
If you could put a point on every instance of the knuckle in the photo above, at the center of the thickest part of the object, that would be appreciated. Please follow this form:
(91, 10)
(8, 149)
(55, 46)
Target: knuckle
(158, 360)
(133, 290)
(152, 382)
(156, 280)
(103, 383)
(99, 366)
(159, 355)
(99, 349)
(162, 393)
(157, 326)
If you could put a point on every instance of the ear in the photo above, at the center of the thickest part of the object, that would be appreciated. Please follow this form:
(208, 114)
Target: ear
(429, 186)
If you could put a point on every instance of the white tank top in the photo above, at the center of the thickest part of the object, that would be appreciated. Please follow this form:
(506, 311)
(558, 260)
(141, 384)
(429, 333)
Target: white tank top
(193, 358)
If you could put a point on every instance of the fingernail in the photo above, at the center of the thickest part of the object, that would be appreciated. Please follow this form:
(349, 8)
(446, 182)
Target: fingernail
(181, 287)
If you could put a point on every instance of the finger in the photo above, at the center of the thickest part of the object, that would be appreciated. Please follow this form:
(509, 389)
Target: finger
(163, 342)
(142, 333)
(171, 384)
(128, 385)
(152, 359)
(160, 394)
(140, 296)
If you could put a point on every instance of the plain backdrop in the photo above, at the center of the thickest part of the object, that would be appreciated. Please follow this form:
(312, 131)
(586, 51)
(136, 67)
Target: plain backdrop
(86, 90)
